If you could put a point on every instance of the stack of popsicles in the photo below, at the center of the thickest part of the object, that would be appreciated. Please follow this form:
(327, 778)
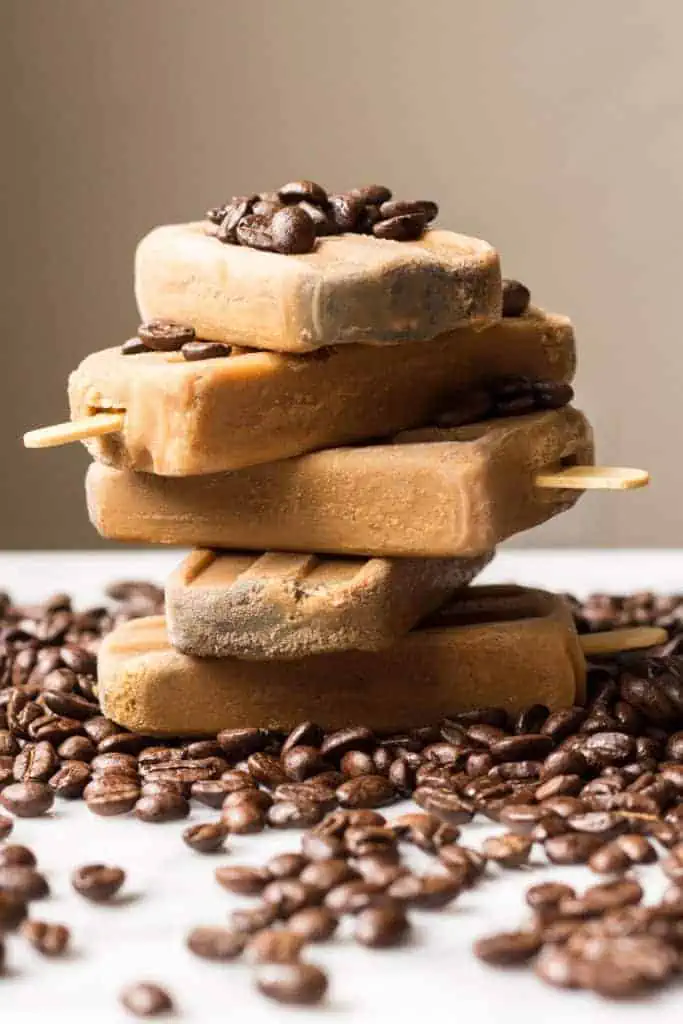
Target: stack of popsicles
(342, 429)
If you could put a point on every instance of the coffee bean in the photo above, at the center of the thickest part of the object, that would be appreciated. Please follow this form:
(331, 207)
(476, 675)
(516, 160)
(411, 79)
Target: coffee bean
(13, 910)
(116, 763)
(297, 984)
(609, 748)
(357, 762)
(253, 797)
(374, 195)
(253, 919)
(605, 824)
(70, 780)
(466, 865)
(382, 927)
(306, 734)
(346, 211)
(23, 882)
(243, 880)
(609, 859)
(301, 762)
(245, 818)
(425, 831)
(214, 943)
(521, 818)
(296, 191)
(254, 231)
(313, 924)
(516, 297)
(336, 744)
(229, 216)
(511, 850)
(163, 336)
(286, 865)
(12, 855)
(508, 948)
(206, 838)
(274, 946)
(366, 791)
(405, 228)
(572, 848)
(266, 769)
(145, 999)
(326, 874)
(9, 745)
(291, 814)
(288, 895)
(193, 351)
(532, 747)
(77, 748)
(559, 785)
(27, 799)
(6, 826)
(426, 892)
(48, 939)
(449, 807)
(548, 895)
(292, 231)
(111, 796)
(398, 207)
(97, 882)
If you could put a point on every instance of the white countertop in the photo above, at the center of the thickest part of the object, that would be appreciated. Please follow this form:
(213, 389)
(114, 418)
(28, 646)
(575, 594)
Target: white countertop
(170, 888)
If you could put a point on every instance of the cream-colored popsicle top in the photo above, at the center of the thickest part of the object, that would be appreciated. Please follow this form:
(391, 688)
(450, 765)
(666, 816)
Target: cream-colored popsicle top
(350, 288)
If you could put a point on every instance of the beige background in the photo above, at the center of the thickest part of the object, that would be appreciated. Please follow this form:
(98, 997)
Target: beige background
(553, 129)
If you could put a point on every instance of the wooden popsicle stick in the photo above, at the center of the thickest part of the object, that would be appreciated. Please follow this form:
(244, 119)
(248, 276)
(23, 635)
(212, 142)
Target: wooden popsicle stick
(631, 638)
(592, 478)
(78, 430)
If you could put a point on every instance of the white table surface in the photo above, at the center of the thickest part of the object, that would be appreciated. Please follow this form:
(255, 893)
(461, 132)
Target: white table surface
(170, 888)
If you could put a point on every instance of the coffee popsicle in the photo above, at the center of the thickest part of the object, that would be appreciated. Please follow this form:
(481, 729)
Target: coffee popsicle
(279, 605)
(457, 492)
(350, 288)
(500, 646)
(184, 418)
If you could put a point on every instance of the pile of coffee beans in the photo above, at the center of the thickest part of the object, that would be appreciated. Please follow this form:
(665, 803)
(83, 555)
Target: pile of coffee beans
(290, 220)
(599, 785)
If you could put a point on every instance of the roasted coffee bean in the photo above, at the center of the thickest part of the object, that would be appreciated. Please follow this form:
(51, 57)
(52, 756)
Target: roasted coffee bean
(371, 839)
(351, 897)
(111, 796)
(193, 351)
(327, 874)
(48, 939)
(253, 919)
(254, 231)
(336, 744)
(99, 728)
(27, 799)
(548, 895)
(274, 946)
(531, 719)
(292, 231)
(215, 943)
(382, 927)
(301, 762)
(133, 347)
(307, 792)
(373, 195)
(53, 729)
(210, 792)
(521, 818)
(145, 999)
(161, 336)
(207, 838)
(609, 859)
(511, 850)
(425, 831)
(313, 924)
(243, 880)
(257, 798)
(465, 864)
(306, 734)
(532, 747)
(36, 762)
(14, 855)
(115, 762)
(286, 865)
(295, 814)
(69, 705)
(366, 791)
(508, 949)
(24, 882)
(228, 217)
(404, 228)
(77, 748)
(346, 211)
(296, 191)
(6, 826)
(70, 780)
(605, 824)
(357, 762)
(449, 807)
(599, 899)
(13, 910)
(9, 745)
(266, 769)
(288, 895)
(609, 748)
(321, 845)
(556, 967)
(564, 806)
(378, 871)
(399, 207)
(516, 298)
(426, 892)
(296, 984)
(235, 782)
(98, 882)
(559, 785)
(185, 772)
(572, 847)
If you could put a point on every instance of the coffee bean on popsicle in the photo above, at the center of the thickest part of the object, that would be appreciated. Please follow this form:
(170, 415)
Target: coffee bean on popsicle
(516, 297)
(164, 336)
(292, 231)
(195, 350)
(407, 227)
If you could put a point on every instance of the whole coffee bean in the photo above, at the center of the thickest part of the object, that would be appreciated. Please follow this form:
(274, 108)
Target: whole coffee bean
(336, 744)
(572, 848)
(215, 943)
(295, 984)
(351, 897)
(548, 895)
(306, 734)
(511, 850)
(229, 216)
(516, 298)
(605, 824)
(163, 336)
(48, 939)
(206, 838)
(292, 231)
(111, 796)
(266, 769)
(346, 210)
(404, 228)
(288, 895)
(254, 797)
(77, 748)
(313, 924)
(556, 967)
(254, 232)
(296, 191)
(466, 865)
(145, 999)
(327, 874)
(508, 948)
(286, 865)
(36, 762)
(425, 831)
(521, 818)
(13, 910)
(426, 892)
(99, 728)
(115, 763)
(532, 747)
(564, 806)
(97, 882)
(235, 782)
(274, 946)
(398, 207)
(609, 748)
(23, 882)
(70, 780)
(301, 762)
(366, 791)
(9, 745)
(559, 785)
(69, 705)
(6, 826)
(253, 919)
(374, 195)
(449, 807)
(382, 927)
(193, 351)
(245, 818)
(14, 854)
(27, 799)
(357, 762)
(291, 814)
(243, 880)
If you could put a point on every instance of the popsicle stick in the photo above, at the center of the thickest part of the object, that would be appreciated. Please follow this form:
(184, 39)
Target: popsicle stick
(632, 638)
(78, 430)
(594, 478)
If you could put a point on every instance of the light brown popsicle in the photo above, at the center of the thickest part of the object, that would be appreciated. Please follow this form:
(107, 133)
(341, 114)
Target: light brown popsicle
(456, 492)
(350, 288)
(502, 646)
(187, 418)
(280, 605)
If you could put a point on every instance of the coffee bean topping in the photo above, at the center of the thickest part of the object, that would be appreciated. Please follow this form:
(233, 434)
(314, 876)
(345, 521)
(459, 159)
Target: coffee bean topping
(195, 350)
(516, 297)
(164, 336)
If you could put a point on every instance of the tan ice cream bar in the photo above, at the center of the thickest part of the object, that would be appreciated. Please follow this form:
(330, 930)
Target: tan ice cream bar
(502, 646)
(279, 605)
(457, 492)
(187, 418)
(351, 288)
